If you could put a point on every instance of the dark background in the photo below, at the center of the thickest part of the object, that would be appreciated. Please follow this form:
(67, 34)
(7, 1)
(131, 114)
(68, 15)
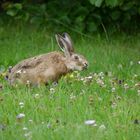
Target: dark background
(86, 16)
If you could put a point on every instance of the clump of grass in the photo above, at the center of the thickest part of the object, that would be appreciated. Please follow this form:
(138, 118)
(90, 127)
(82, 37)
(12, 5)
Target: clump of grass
(107, 95)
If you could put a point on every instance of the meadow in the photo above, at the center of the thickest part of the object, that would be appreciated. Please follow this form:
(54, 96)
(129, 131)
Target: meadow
(101, 103)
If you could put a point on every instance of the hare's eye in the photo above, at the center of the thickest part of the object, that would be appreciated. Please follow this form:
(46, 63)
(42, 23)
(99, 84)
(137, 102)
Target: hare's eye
(76, 57)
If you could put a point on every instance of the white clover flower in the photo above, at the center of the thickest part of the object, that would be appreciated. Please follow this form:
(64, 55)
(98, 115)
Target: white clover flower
(20, 116)
(135, 75)
(30, 121)
(89, 77)
(52, 90)
(28, 82)
(29, 134)
(138, 62)
(21, 104)
(113, 89)
(126, 86)
(25, 128)
(36, 95)
(100, 82)
(91, 122)
(139, 92)
(82, 79)
(102, 127)
(72, 97)
(101, 74)
(114, 105)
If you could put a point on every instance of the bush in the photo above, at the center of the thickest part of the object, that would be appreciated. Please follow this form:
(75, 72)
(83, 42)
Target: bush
(84, 16)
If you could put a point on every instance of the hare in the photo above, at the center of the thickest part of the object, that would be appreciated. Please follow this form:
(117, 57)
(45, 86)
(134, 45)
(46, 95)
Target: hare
(48, 67)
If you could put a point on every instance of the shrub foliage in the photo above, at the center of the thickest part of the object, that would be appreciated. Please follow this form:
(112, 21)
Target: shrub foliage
(84, 16)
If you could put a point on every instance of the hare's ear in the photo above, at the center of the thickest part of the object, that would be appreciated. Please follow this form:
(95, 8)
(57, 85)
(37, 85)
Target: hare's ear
(68, 39)
(59, 42)
(63, 45)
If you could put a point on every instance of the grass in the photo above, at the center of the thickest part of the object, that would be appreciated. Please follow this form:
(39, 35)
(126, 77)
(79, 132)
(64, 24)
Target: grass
(111, 97)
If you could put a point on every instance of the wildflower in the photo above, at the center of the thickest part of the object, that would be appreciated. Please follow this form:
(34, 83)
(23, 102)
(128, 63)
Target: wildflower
(25, 128)
(118, 97)
(126, 86)
(102, 127)
(101, 74)
(52, 90)
(138, 62)
(91, 122)
(28, 82)
(82, 79)
(21, 104)
(138, 92)
(135, 75)
(20, 116)
(88, 79)
(72, 97)
(30, 121)
(36, 96)
(113, 89)
(29, 134)
(95, 75)
(71, 75)
(100, 82)
(113, 105)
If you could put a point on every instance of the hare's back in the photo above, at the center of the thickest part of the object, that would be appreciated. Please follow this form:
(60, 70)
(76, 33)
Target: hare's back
(33, 62)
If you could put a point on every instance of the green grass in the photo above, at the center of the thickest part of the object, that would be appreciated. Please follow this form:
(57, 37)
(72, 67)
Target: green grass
(61, 113)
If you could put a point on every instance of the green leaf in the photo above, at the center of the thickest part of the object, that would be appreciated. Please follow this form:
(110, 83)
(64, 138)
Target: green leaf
(115, 15)
(112, 3)
(92, 27)
(97, 3)
(17, 6)
(127, 6)
(11, 12)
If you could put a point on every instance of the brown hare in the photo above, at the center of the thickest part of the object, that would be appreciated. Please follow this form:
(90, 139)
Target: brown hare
(48, 67)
